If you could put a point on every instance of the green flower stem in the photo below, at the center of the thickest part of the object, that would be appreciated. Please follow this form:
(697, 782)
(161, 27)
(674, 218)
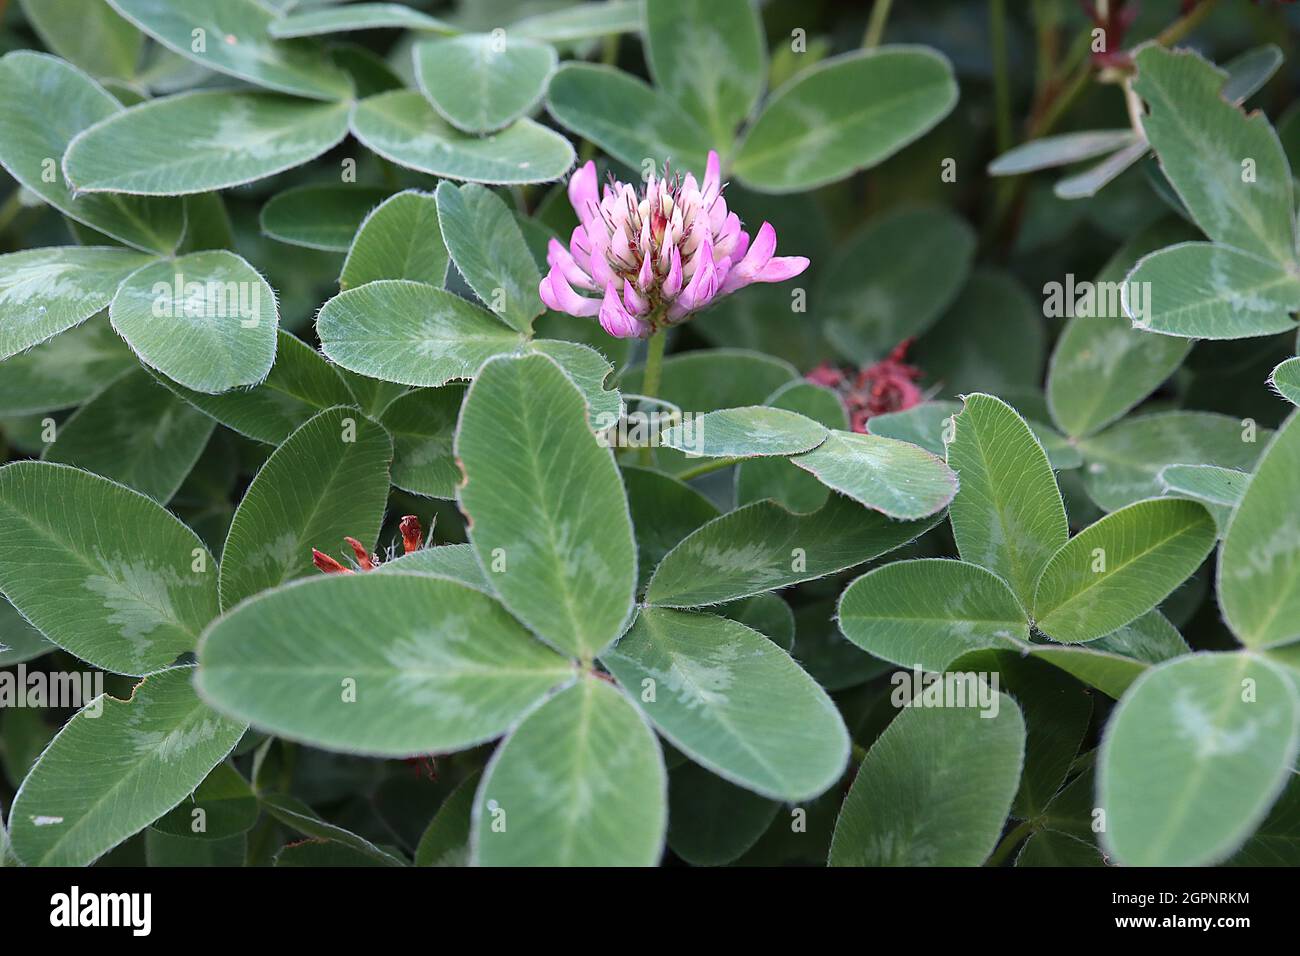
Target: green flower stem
(715, 464)
(1013, 839)
(876, 25)
(12, 206)
(650, 380)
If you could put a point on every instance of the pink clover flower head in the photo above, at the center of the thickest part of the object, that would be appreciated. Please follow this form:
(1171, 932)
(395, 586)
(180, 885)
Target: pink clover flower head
(641, 261)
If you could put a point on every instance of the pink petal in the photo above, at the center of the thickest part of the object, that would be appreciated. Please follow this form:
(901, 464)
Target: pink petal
(760, 250)
(633, 300)
(646, 277)
(756, 257)
(712, 178)
(673, 282)
(559, 259)
(780, 268)
(615, 319)
(583, 193)
(703, 284)
(558, 295)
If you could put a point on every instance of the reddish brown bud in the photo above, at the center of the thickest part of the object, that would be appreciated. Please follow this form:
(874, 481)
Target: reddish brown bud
(363, 556)
(327, 564)
(412, 535)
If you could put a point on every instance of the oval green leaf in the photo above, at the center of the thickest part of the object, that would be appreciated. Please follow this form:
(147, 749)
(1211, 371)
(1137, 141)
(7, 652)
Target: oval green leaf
(580, 782)
(329, 480)
(1121, 567)
(479, 82)
(206, 320)
(1200, 290)
(893, 477)
(935, 788)
(319, 217)
(1008, 516)
(232, 37)
(403, 128)
(489, 252)
(762, 547)
(46, 291)
(547, 511)
(400, 239)
(927, 613)
(401, 331)
(732, 701)
(1259, 564)
(197, 142)
(448, 668)
(845, 114)
(115, 768)
(749, 432)
(48, 104)
(596, 102)
(1194, 756)
(104, 572)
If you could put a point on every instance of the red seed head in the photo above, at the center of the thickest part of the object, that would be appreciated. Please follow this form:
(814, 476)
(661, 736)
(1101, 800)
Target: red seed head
(363, 556)
(412, 535)
(327, 564)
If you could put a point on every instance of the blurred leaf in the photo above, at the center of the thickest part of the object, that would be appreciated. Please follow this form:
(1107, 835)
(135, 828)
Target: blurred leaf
(320, 217)
(135, 432)
(710, 56)
(845, 114)
(49, 103)
(596, 102)
(232, 38)
(355, 16)
(1259, 564)
(1194, 756)
(108, 775)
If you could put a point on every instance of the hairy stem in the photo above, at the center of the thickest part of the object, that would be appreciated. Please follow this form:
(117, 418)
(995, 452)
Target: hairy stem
(654, 361)
(1185, 25)
(876, 25)
(705, 467)
(1001, 81)
(1018, 834)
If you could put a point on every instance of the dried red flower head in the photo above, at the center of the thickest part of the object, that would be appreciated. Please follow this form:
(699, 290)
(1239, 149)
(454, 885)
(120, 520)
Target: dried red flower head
(887, 386)
(327, 564)
(425, 766)
(1114, 20)
(412, 540)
